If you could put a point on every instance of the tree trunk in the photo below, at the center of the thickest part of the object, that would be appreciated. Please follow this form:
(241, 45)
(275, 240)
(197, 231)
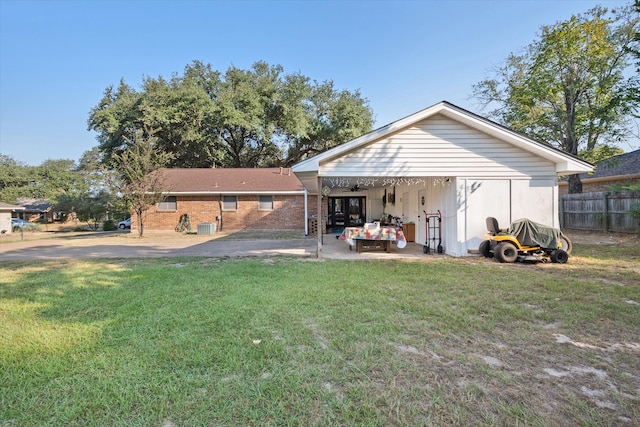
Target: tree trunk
(575, 185)
(140, 224)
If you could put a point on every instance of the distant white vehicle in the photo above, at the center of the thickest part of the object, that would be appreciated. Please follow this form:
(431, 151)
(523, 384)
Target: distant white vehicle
(18, 224)
(124, 224)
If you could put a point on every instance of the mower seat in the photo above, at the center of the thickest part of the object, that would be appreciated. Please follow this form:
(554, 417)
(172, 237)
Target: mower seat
(492, 226)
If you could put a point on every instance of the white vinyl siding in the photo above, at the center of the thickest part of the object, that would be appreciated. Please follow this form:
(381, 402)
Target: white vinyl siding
(535, 200)
(484, 198)
(439, 146)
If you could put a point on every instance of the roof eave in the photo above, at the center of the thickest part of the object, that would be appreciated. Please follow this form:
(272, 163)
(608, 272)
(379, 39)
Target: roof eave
(571, 167)
(233, 192)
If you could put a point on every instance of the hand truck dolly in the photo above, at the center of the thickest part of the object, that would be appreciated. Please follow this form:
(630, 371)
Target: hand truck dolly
(434, 226)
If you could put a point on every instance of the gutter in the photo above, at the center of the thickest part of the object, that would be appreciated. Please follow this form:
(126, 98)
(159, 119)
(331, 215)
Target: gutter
(306, 213)
(233, 193)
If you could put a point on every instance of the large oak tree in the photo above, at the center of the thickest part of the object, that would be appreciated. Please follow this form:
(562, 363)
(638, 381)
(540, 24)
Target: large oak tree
(573, 87)
(260, 117)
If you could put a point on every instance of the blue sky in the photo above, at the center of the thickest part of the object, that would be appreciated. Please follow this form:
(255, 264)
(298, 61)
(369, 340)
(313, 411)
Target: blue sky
(57, 57)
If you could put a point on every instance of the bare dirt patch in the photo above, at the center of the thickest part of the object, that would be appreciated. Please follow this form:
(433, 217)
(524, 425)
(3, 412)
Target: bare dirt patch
(601, 238)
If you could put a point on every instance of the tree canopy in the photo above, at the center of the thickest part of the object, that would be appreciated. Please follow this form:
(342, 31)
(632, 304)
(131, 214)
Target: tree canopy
(51, 180)
(260, 117)
(81, 189)
(573, 87)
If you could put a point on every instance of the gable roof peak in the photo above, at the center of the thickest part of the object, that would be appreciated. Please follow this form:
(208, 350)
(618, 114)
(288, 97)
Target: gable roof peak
(565, 163)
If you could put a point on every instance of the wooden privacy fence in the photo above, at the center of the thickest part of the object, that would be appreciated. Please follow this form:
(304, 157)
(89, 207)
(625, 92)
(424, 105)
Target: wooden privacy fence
(602, 211)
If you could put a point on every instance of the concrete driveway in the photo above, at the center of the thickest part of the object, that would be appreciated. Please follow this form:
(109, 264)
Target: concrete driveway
(127, 245)
(171, 244)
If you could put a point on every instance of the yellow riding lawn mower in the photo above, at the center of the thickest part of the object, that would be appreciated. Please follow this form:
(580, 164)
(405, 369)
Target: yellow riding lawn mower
(525, 241)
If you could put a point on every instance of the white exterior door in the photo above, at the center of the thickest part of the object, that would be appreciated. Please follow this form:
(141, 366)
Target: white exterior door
(405, 207)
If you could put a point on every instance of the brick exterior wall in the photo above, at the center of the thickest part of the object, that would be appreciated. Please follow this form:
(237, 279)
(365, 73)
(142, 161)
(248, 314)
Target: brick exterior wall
(600, 184)
(287, 213)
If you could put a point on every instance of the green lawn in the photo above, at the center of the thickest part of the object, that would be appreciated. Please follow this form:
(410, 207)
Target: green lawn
(301, 342)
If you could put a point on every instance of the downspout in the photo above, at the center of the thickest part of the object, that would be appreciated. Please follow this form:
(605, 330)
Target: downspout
(219, 218)
(306, 213)
(320, 218)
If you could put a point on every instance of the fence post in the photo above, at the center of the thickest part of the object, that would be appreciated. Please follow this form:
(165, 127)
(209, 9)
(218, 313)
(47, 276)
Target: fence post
(561, 213)
(605, 212)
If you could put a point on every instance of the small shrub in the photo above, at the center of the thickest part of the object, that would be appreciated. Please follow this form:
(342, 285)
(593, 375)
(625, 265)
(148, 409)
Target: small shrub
(629, 186)
(109, 225)
(32, 226)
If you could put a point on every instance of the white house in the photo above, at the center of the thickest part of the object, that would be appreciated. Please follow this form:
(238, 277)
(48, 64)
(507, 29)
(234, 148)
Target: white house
(444, 159)
(6, 211)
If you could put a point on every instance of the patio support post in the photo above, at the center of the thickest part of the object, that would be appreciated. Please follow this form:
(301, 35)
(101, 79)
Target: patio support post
(320, 219)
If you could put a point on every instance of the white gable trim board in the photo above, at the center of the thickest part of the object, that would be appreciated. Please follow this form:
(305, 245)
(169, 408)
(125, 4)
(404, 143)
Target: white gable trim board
(464, 166)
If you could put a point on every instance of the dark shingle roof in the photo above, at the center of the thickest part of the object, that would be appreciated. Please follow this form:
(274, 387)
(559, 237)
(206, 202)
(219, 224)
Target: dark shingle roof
(622, 164)
(228, 180)
(34, 205)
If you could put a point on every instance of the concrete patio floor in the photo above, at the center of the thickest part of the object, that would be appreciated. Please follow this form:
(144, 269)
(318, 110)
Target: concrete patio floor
(333, 248)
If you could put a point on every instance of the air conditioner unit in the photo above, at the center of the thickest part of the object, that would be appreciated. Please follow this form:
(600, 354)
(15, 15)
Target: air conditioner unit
(207, 228)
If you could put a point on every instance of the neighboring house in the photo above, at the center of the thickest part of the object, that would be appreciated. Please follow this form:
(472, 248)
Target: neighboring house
(6, 213)
(36, 210)
(623, 169)
(231, 198)
(444, 159)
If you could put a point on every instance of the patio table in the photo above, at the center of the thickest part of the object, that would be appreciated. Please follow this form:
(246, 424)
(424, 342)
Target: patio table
(373, 237)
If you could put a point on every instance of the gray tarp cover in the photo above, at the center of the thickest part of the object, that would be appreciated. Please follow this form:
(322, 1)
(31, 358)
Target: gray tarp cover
(530, 233)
